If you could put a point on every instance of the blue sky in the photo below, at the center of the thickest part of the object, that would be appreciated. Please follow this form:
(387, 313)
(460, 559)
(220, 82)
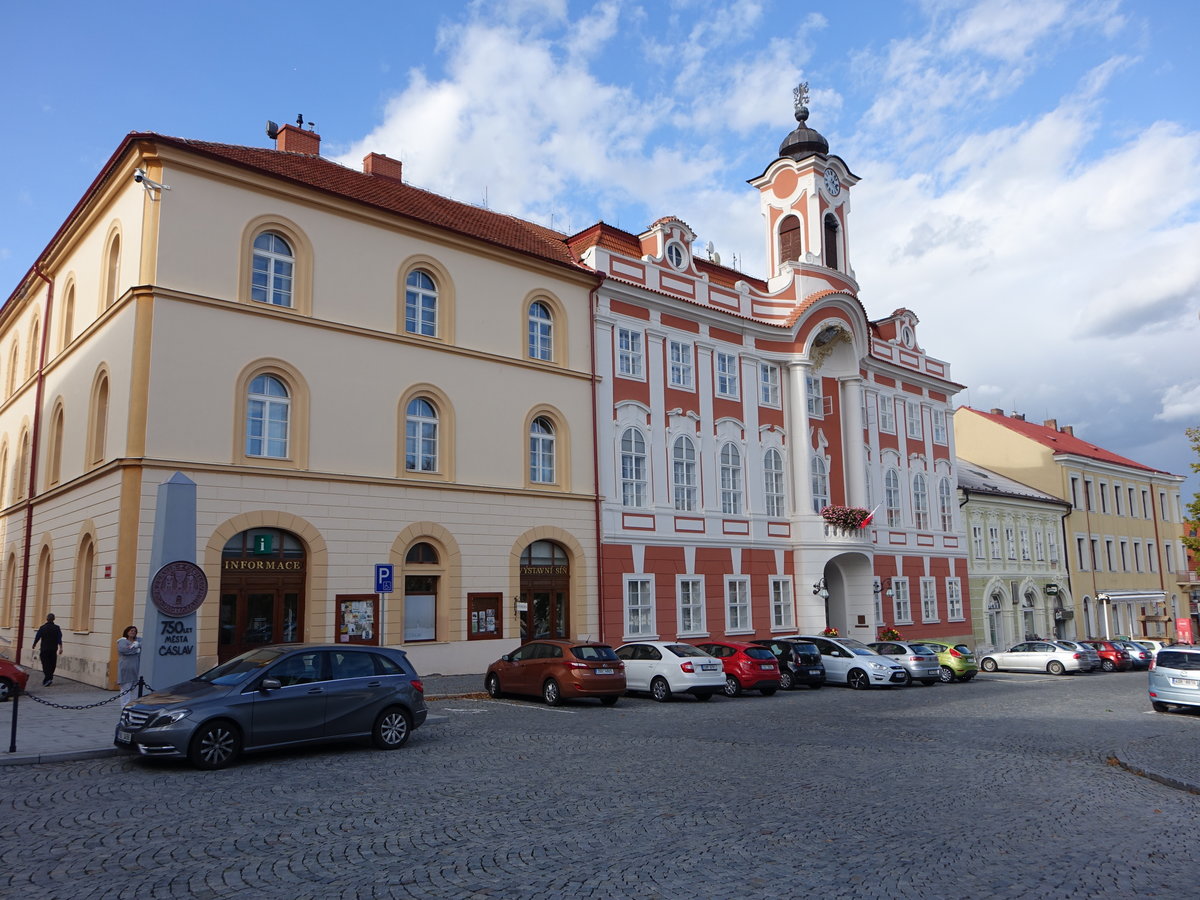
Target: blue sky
(1030, 170)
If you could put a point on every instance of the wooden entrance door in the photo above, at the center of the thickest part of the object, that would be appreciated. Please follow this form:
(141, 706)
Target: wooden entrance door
(253, 615)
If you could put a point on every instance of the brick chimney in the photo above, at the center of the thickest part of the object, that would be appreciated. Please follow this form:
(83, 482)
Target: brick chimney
(996, 411)
(296, 140)
(382, 166)
(1020, 417)
(1068, 429)
(1052, 424)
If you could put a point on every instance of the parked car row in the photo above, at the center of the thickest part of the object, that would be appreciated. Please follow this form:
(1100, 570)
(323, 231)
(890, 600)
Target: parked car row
(1060, 657)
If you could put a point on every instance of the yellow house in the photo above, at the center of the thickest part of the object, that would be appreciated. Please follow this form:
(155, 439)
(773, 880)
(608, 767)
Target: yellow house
(351, 369)
(1122, 536)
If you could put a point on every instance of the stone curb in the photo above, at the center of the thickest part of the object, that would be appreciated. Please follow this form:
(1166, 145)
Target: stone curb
(1168, 780)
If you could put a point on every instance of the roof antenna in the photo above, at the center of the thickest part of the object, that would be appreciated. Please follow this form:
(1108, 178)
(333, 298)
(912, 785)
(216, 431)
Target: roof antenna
(300, 122)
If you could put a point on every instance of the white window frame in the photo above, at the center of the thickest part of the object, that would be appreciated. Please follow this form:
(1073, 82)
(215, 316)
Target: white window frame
(726, 365)
(1039, 545)
(681, 372)
(945, 504)
(920, 501)
(731, 479)
(737, 605)
(819, 481)
(685, 490)
(783, 606)
(768, 384)
(1023, 536)
(929, 610)
(977, 541)
(774, 485)
(814, 395)
(689, 600)
(272, 279)
(630, 358)
(633, 467)
(638, 601)
(901, 603)
(541, 332)
(887, 413)
(955, 611)
(543, 468)
(912, 418)
(270, 411)
(893, 510)
(939, 426)
(420, 304)
(421, 436)
(994, 542)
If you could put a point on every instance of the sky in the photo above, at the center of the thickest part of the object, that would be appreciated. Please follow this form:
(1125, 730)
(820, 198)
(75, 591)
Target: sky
(1030, 168)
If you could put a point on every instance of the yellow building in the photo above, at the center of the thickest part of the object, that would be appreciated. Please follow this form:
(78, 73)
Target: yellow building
(352, 370)
(1122, 536)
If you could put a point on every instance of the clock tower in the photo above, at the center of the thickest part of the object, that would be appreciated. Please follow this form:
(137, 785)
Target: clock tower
(805, 201)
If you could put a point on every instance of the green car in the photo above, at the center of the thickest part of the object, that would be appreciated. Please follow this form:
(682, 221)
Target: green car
(957, 660)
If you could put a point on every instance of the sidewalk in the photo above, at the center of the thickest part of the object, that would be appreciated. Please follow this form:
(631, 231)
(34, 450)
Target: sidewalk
(48, 734)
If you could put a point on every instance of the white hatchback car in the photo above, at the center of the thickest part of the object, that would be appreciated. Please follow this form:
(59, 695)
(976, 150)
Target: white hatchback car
(852, 662)
(665, 668)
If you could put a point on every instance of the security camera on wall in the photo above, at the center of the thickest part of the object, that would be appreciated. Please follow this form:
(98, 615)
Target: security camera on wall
(152, 187)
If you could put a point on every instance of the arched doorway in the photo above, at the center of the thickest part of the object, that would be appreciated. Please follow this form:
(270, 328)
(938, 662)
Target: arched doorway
(263, 572)
(545, 591)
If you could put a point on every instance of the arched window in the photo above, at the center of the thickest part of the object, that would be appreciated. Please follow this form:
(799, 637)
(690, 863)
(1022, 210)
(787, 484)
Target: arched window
(268, 410)
(773, 483)
(420, 304)
(112, 271)
(633, 468)
(85, 585)
(68, 319)
(421, 584)
(35, 350)
(831, 241)
(541, 451)
(946, 504)
(98, 433)
(421, 436)
(272, 269)
(421, 554)
(21, 468)
(41, 588)
(731, 480)
(820, 484)
(10, 381)
(4, 497)
(541, 331)
(54, 450)
(891, 497)
(920, 501)
(790, 244)
(683, 474)
(10, 590)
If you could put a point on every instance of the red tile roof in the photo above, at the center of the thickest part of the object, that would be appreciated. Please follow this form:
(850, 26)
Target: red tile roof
(1060, 441)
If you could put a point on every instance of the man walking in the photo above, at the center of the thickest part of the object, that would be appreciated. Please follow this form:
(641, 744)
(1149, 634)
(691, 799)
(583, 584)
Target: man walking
(51, 639)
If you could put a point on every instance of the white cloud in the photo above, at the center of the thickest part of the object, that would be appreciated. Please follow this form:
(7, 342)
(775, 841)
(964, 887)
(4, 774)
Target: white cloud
(1181, 403)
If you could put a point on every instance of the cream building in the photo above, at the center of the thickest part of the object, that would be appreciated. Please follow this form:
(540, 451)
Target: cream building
(1123, 536)
(352, 370)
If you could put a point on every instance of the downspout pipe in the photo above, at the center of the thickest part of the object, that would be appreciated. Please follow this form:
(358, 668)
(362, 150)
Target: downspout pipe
(35, 440)
(594, 297)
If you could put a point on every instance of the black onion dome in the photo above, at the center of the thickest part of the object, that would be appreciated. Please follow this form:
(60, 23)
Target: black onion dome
(804, 141)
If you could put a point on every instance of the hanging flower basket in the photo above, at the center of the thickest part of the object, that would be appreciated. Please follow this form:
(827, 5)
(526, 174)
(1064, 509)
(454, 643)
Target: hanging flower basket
(829, 632)
(847, 517)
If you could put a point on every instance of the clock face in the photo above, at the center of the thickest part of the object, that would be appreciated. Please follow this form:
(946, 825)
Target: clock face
(832, 184)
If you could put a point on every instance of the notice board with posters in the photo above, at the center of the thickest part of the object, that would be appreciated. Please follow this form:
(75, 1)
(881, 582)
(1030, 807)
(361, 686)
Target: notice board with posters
(358, 619)
(484, 616)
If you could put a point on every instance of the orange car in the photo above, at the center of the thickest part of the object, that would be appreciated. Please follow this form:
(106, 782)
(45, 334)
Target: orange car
(12, 679)
(558, 671)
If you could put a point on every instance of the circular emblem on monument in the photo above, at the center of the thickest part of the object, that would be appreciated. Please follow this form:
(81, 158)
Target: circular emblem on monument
(179, 588)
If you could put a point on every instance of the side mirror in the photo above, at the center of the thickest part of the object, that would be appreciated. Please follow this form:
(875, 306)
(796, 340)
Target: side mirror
(269, 684)
(507, 657)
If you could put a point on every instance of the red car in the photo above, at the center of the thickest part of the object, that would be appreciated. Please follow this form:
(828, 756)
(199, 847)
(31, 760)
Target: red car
(558, 670)
(1113, 658)
(748, 667)
(12, 678)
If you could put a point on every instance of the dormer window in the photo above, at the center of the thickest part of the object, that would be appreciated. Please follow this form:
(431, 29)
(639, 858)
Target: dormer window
(831, 241)
(676, 255)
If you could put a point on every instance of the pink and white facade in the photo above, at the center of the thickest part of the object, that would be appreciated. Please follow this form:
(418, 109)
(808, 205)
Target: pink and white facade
(731, 410)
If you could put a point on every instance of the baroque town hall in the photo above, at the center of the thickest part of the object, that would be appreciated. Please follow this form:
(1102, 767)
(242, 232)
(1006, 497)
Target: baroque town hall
(597, 435)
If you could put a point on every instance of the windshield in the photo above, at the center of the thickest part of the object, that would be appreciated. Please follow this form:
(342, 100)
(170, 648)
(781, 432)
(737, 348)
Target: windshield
(239, 668)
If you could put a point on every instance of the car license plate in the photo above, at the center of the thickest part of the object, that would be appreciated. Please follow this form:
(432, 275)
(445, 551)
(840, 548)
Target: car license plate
(814, 671)
(708, 667)
(604, 671)
(124, 736)
(1184, 682)
(767, 667)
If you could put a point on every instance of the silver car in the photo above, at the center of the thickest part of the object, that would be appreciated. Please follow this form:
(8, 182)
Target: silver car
(1038, 656)
(852, 662)
(1175, 678)
(1091, 654)
(278, 696)
(921, 663)
(1140, 655)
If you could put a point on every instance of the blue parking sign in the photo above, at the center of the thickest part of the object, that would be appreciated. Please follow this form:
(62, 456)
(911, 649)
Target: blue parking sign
(383, 578)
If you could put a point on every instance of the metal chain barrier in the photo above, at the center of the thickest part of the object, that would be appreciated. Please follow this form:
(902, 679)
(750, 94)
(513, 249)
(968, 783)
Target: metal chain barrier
(141, 684)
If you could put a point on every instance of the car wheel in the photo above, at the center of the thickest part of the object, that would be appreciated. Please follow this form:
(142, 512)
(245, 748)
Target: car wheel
(907, 679)
(946, 674)
(1107, 665)
(703, 695)
(1160, 707)
(610, 700)
(988, 665)
(551, 692)
(493, 686)
(858, 679)
(1055, 667)
(660, 690)
(6, 689)
(965, 678)
(929, 682)
(732, 686)
(392, 728)
(215, 745)
(768, 691)
(787, 681)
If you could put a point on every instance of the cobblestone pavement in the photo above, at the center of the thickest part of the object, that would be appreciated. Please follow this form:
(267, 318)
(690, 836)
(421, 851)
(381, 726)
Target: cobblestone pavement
(1005, 787)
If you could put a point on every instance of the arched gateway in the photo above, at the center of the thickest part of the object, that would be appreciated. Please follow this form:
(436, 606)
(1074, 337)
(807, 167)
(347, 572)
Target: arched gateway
(263, 572)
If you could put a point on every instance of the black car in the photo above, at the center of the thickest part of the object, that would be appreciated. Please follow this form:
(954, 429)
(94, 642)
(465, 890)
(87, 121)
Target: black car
(278, 696)
(799, 662)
